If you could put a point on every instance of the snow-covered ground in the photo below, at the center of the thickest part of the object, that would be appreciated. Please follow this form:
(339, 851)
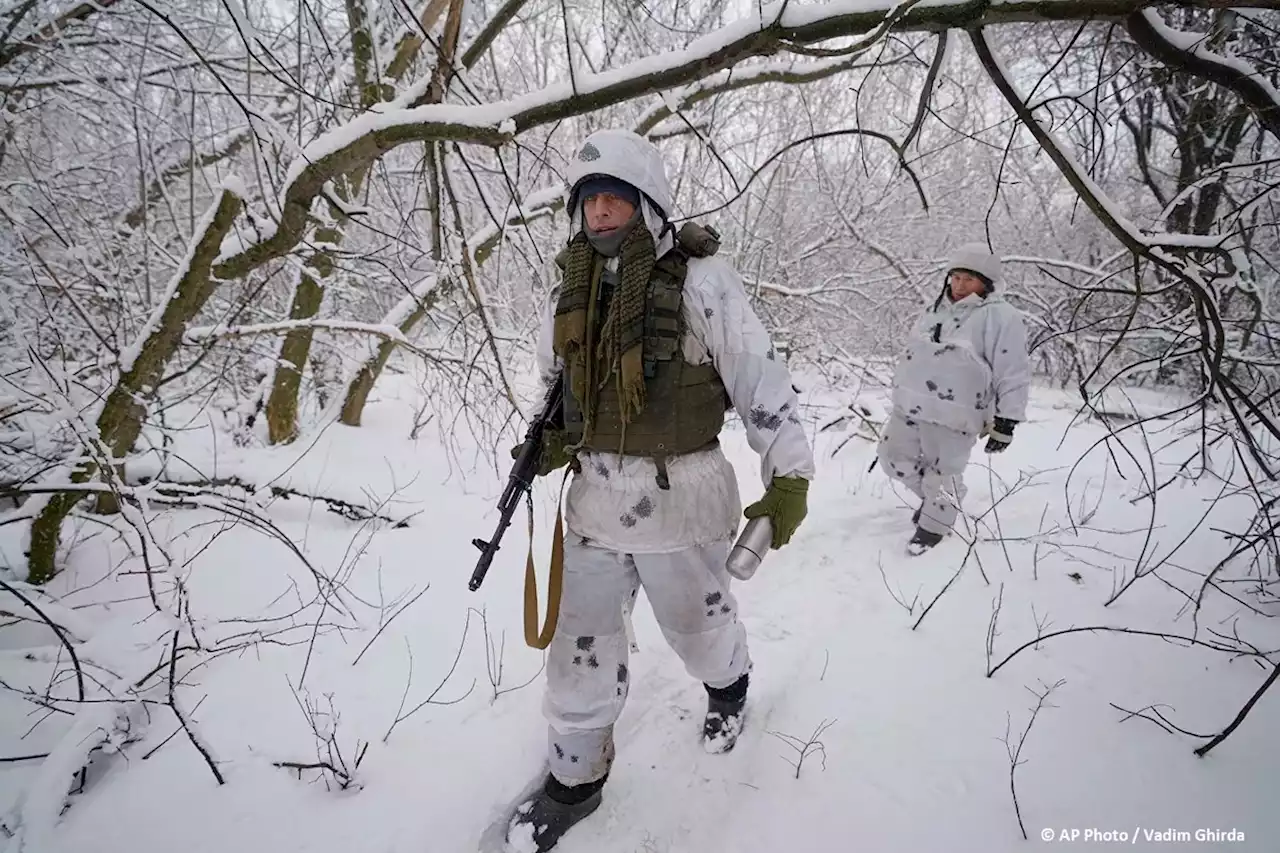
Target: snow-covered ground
(910, 737)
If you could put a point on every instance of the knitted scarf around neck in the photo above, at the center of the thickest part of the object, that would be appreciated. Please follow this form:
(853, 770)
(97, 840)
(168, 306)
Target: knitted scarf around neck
(617, 342)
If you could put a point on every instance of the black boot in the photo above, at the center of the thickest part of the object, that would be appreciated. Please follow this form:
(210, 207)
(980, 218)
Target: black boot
(723, 723)
(922, 541)
(541, 820)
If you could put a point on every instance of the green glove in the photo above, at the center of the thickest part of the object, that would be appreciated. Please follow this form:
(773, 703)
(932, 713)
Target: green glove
(786, 505)
(554, 455)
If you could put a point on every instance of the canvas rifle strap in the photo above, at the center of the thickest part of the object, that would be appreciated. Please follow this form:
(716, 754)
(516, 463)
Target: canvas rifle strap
(532, 636)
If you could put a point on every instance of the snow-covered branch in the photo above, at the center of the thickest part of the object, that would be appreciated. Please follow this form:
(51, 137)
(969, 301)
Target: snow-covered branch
(389, 331)
(1187, 52)
(49, 31)
(408, 119)
(791, 70)
(119, 421)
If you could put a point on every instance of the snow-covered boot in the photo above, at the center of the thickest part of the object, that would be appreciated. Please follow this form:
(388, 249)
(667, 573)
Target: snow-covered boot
(922, 541)
(540, 820)
(723, 723)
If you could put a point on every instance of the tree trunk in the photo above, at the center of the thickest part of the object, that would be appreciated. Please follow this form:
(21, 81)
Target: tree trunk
(295, 349)
(416, 304)
(362, 383)
(120, 421)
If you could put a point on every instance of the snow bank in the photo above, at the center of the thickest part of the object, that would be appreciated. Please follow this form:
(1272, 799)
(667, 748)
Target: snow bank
(910, 756)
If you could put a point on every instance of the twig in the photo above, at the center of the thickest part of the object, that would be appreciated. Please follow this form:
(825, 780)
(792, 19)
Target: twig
(1091, 628)
(431, 700)
(403, 608)
(57, 630)
(910, 608)
(1035, 554)
(991, 627)
(311, 645)
(1163, 722)
(1015, 753)
(173, 704)
(805, 748)
(941, 593)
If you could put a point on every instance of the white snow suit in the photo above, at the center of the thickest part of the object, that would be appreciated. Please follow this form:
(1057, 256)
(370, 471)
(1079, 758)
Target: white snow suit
(623, 532)
(965, 363)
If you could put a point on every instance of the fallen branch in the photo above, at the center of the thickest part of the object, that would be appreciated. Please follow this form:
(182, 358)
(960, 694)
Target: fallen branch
(338, 506)
(1217, 647)
(1244, 712)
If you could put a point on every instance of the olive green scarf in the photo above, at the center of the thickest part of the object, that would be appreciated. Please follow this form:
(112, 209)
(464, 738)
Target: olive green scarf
(618, 346)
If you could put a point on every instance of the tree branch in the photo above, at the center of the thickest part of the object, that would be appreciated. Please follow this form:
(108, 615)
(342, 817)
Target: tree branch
(1244, 712)
(1187, 52)
(492, 28)
(409, 119)
(52, 30)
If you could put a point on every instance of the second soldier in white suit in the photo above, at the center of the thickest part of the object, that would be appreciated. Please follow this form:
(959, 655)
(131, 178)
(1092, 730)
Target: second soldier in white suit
(963, 372)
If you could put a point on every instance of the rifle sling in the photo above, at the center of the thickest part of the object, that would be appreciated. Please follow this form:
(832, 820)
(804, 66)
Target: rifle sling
(532, 636)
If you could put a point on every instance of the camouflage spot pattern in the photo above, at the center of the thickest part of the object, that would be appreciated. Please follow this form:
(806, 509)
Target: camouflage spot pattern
(762, 418)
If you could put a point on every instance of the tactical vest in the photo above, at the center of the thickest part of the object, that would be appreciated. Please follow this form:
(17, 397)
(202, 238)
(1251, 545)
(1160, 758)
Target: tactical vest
(684, 403)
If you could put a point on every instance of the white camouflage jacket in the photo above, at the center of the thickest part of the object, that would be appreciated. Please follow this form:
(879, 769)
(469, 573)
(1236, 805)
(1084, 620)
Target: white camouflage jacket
(615, 501)
(965, 363)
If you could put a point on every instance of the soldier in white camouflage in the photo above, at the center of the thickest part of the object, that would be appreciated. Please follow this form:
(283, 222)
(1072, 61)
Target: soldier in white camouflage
(656, 340)
(964, 372)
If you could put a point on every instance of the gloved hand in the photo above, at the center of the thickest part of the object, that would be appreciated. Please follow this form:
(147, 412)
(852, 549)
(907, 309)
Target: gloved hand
(554, 455)
(1001, 435)
(786, 504)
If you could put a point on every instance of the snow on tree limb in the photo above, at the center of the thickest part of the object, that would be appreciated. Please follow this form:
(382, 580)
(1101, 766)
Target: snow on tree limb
(1093, 196)
(777, 27)
(1211, 341)
(542, 202)
(776, 71)
(120, 419)
(51, 30)
(382, 330)
(40, 803)
(1187, 52)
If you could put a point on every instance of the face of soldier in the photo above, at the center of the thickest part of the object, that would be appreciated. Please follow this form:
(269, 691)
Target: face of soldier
(605, 212)
(964, 284)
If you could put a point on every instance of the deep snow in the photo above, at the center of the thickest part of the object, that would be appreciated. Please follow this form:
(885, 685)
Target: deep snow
(912, 757)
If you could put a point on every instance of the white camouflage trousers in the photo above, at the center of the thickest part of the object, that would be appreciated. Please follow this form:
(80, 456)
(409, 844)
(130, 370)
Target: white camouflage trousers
(929, 460)
(587, 677)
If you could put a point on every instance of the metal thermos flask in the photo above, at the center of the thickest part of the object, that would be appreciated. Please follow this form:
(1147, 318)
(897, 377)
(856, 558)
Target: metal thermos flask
(750, 548)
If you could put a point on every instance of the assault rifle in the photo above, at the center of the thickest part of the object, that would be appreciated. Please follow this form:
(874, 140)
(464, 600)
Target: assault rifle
(520, 480)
